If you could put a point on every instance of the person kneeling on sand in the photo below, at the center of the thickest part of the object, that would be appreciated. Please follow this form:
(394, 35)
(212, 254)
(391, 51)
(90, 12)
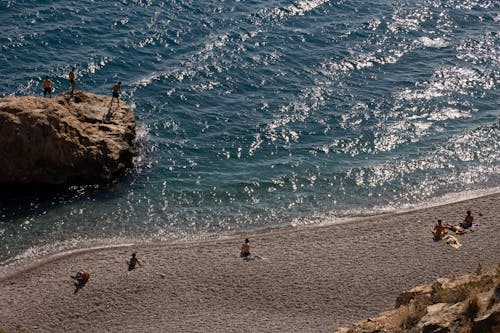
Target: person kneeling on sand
(245, 249)
(438, 231)
(133, 262)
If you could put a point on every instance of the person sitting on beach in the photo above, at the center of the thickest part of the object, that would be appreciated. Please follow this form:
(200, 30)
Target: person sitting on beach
(245, 249)
(133, 262)
(439, 230)
(467, 223)
(81, 278)
(47, 87)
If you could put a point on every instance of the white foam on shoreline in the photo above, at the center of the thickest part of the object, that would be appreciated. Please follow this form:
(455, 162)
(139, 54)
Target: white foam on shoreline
(38, 255)
(356, 215)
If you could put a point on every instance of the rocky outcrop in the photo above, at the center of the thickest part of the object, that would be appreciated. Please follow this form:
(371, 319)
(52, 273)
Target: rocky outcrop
(65, 140)
(468, 303)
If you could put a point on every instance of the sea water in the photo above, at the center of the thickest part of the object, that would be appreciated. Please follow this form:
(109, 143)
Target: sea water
(257, 114)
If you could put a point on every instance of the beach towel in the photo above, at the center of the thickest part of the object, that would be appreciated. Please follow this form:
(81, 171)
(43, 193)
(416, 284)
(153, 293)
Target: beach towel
(452, 241)
(252, 257)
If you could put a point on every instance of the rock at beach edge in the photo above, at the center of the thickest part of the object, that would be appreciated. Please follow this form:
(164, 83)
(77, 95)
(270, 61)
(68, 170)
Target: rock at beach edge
(63, 140)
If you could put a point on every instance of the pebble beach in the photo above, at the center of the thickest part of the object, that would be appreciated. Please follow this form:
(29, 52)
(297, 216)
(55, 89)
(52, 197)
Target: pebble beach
(310, 279)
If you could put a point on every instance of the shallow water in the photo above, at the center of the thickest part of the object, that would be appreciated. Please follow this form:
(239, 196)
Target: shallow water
(254, 114)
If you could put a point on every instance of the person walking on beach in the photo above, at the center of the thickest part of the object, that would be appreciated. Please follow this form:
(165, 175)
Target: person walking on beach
(116, 93)
(467, 223)
(133, 262)
(438, 231)
(47, 87)
(72, 80)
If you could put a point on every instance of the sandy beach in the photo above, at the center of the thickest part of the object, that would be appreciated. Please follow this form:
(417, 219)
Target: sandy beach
(312, 279)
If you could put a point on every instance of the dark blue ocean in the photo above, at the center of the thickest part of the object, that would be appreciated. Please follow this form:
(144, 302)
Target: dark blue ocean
(258, 114)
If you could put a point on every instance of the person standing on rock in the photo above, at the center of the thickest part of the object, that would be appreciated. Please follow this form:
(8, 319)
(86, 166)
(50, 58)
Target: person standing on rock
(47, 87)
(116, 93)
(72, 80)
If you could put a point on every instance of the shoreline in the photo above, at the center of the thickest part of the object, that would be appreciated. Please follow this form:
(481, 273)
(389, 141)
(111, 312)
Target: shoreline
(325, 221)
(314, 278)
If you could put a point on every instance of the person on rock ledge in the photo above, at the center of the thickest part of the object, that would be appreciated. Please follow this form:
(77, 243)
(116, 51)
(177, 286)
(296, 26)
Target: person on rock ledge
(116, 93)
(47, 87)
(71, 76)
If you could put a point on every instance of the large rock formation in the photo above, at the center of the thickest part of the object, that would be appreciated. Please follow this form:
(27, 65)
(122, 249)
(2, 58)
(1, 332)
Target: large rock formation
(470, 303)
(65, 140)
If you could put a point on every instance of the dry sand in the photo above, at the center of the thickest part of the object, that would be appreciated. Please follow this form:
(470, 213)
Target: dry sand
(313, 279)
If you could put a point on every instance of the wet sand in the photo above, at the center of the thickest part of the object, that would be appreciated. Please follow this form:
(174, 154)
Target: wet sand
(312, 279)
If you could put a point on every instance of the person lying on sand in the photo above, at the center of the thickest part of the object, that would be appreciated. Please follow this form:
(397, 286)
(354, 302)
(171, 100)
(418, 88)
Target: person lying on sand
(81, 277)
(438, 231)
(133, 262)
(458, 229)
